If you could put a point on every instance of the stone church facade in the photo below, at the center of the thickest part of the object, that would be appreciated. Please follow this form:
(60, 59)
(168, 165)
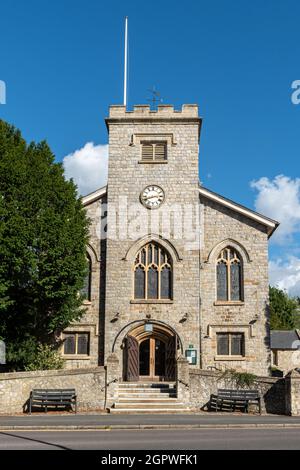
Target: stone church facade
(175, 269)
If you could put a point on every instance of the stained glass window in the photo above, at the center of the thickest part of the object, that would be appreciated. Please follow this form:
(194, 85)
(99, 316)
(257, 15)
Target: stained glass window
(229, 275)
(152, 273)
(222, 281)
(235, 283)
(139, 283)
(166, 283)
(152, 282)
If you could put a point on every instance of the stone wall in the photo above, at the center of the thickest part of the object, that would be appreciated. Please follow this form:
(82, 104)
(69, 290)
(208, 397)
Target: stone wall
(292, 389)
(89, 384)
(285, 359)
(203, 383)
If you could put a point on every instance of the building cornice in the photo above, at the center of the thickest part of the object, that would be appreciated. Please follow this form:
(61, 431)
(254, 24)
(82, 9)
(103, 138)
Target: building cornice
(266, 221)
(98, 194)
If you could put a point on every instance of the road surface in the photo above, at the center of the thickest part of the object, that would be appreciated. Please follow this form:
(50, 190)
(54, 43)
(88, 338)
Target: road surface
(153, 439)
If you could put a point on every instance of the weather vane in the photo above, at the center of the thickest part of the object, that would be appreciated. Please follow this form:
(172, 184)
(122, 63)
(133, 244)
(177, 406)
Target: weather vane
(155, 99)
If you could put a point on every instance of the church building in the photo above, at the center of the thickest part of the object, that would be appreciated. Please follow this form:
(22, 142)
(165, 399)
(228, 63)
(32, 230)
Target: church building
(174, 268)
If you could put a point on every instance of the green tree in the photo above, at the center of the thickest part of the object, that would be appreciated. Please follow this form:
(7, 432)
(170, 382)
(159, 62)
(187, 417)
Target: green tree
(43, 235)
(283, 310)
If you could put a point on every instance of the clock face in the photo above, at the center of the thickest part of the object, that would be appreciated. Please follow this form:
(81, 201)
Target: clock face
(152, 196)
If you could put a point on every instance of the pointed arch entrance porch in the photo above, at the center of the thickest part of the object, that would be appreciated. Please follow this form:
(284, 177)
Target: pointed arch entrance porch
(150, 353)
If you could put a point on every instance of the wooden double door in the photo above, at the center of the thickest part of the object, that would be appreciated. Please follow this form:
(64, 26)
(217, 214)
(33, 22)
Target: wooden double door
(150, 359)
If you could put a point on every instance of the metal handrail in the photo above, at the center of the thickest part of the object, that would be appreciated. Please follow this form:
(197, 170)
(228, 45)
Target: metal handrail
(107, 384)
(183, 383)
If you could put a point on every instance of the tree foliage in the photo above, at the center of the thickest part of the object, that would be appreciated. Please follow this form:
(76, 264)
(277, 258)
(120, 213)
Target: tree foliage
(46, 358)
(283, 310)
(43, 235)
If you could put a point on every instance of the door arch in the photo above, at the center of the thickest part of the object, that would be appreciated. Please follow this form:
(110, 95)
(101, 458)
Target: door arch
(150, 353)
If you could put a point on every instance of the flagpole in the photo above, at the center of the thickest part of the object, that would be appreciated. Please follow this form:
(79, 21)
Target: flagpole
(125, 61)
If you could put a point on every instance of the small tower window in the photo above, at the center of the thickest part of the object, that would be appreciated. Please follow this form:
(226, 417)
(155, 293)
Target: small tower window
(154, 151)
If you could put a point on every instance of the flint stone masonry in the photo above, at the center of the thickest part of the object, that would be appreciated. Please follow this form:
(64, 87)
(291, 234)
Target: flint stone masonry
(272, 390)
(89, 384)
(292, 392)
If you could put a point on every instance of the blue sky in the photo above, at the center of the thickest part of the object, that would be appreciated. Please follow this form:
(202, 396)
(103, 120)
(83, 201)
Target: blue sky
(62, 62)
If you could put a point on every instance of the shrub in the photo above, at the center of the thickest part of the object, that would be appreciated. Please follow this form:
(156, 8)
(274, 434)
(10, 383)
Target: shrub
(239, 379)
(47, 358)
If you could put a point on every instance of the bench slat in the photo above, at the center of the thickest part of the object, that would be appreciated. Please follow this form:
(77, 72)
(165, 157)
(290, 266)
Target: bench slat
(53, 397)
(234, 399)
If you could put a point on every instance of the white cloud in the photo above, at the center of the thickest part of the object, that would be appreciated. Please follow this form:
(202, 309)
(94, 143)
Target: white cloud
(88, 167)
(286, 275)
(280, 199)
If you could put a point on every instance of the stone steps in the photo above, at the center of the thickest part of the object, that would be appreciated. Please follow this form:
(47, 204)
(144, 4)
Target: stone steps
(147, 398)
(148, 410)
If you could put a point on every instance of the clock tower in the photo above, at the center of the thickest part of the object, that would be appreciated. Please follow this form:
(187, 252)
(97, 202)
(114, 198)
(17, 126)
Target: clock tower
(153, 232)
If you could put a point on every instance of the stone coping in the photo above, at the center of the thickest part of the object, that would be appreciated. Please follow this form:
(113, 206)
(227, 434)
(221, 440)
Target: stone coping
(208, 373)
(50, 373)
(187, 110)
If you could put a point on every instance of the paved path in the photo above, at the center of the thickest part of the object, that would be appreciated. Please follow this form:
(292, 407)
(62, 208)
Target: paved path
(69, 421)
(148, 439)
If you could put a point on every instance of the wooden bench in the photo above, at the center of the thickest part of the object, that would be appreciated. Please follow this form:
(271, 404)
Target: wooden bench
(231, 400)
(48, 398)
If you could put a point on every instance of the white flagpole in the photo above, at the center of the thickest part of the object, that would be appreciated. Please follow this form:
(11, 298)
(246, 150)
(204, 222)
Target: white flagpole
(125, 61)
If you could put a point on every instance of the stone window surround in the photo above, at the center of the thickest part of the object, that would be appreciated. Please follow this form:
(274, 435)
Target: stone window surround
(152, 301)
(93, 259)
(212, 258)
(247, 329)
(136, 139)
(230, 357)
(89, 328)
(228, 262)
(232, 303)
(139, 139)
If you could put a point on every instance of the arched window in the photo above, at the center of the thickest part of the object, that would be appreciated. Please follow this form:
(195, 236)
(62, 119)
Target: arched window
(229, 275)
(86, 290)
(152, 273)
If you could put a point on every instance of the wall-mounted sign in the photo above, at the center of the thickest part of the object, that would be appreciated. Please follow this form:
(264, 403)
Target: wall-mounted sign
(191, 355)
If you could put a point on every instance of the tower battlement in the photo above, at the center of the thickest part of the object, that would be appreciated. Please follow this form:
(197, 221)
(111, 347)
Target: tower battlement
(163, 111)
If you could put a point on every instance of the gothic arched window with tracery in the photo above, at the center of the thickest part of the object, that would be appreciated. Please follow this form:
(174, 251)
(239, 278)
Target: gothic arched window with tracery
(229, 276)
(153, 273)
